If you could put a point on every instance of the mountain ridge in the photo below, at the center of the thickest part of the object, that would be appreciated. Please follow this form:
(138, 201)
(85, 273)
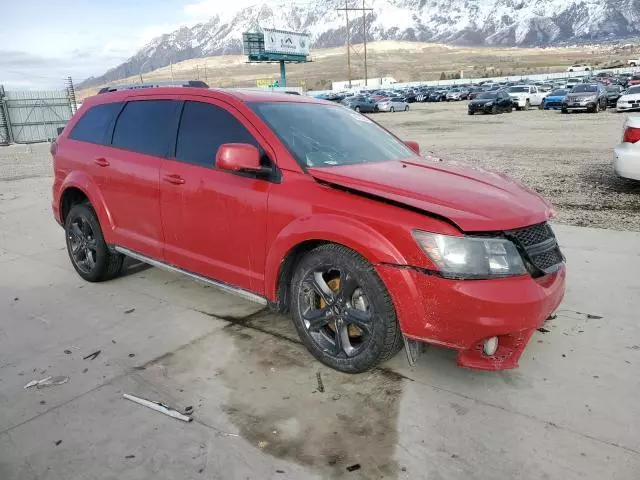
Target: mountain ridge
(463, 22)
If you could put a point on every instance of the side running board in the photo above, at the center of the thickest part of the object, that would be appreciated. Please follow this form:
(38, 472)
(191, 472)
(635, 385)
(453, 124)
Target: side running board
(221, 286)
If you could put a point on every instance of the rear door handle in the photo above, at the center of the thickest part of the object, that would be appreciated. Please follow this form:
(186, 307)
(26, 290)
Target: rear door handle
(173, 178)
(101, 162)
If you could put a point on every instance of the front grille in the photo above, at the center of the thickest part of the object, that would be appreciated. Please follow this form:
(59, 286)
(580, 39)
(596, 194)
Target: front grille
(534, 235)
(553, 104)
(539, 246)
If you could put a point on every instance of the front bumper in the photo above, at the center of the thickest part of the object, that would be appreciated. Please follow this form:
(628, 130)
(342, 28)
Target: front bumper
(461, 314)
(627, 107)
(519, 102)
(626, 161)
(582, 107)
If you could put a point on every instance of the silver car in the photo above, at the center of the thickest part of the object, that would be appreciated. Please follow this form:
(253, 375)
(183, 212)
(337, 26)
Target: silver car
(393, 104)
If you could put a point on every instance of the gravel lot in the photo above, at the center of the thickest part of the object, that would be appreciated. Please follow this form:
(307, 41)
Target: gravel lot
(566, 158)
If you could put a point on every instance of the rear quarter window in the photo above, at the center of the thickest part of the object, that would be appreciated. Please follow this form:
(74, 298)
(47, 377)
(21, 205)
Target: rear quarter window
(96, 124)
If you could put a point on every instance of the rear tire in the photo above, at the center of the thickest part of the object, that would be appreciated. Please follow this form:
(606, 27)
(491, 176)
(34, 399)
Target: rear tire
(564, 110)
(392, 110)
(333, 338)
(406, 108)
(357, 109)
(527, 105)
(88, 252)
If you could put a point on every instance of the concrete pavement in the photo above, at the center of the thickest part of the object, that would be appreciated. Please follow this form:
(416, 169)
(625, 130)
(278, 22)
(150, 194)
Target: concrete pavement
(571, 410)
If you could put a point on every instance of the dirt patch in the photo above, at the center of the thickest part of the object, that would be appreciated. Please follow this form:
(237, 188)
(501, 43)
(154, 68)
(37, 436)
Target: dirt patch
(352, 421)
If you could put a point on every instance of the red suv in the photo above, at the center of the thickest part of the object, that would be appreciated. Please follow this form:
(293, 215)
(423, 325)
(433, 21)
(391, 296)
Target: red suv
(314, 209)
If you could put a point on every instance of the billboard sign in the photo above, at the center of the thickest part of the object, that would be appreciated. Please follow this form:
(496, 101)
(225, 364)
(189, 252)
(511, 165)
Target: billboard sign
(279, 41)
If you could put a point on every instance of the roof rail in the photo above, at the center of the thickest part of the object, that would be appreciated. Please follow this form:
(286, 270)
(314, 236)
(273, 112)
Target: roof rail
(135, 86)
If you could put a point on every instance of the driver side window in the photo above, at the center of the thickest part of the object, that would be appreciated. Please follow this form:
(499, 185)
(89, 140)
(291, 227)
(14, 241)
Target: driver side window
(203, 128)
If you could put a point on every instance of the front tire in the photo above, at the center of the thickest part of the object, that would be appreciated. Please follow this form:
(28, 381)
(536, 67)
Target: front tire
(406, 108)
(342, 311)
(88, 252)
(357, 109)
(527, 105)
(392, 109)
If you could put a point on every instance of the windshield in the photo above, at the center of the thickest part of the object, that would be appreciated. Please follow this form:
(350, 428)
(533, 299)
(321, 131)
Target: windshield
(558, 93)
(518, 89)
(632, 91)
(584, 88)
(613, 89)
(327, 135)
(487, 95)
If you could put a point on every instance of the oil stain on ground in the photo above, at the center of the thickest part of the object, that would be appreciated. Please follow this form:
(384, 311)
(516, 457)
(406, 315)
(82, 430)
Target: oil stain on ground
(282, 412)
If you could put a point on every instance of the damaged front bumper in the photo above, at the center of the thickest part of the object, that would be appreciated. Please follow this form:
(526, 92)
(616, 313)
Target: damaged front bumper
(464, 314)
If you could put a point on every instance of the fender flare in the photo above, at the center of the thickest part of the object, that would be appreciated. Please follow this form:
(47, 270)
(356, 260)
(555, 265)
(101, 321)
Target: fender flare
(85, 183)
(353, 234)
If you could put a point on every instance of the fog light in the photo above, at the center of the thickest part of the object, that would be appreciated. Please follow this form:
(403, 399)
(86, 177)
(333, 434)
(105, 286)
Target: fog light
(490, 346)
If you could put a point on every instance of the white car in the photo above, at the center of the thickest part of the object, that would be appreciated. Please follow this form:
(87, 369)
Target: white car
(630, 100)
(626, 156)
(579, 68)
(393, 104)
(525, 96)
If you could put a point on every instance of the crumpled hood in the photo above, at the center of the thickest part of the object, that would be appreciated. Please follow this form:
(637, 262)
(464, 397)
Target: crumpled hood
(472, 198)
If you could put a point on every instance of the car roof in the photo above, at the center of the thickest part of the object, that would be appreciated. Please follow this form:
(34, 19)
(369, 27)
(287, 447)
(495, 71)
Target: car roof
(238, 94)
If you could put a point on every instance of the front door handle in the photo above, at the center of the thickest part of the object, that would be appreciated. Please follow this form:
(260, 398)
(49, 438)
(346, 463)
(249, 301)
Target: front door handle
(101, 162)
(173, 178)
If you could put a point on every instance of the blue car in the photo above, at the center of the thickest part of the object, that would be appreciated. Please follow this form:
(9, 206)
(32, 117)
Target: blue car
(554, 100)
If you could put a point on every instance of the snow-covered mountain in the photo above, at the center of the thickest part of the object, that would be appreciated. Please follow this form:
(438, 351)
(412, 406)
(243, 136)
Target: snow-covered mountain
(498, 22)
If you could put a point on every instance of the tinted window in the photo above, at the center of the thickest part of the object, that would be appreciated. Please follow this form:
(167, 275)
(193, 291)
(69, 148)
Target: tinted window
(487, 95)
(633, 91)
(147, 126)
(203, 128)
(95, 125)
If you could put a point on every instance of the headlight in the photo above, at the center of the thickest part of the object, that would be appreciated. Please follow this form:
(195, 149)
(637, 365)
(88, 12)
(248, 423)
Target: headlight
(471, 257)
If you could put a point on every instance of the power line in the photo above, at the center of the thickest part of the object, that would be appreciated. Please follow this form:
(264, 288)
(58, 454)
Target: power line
(346, 9)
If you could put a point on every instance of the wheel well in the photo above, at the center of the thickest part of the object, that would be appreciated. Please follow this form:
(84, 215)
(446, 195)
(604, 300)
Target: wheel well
(71, 196)
(287, 266)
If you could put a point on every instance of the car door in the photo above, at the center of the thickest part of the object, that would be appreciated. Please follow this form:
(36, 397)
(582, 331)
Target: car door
(214, 220)
(131, 166)
(534, 96)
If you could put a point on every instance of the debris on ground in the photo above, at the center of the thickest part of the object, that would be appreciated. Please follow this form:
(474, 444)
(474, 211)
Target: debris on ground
(188, 410)
(354, 467)
(68, 352)
(15, 299)
(320, 384)
(543, 330)
(47, 382)
(129, 456)
(131, 310)
(92, 356)
(131, 355)
(58, 442)
(158, 407)
(262, 444)
(280, 471)
(553, 316)
(594, 317)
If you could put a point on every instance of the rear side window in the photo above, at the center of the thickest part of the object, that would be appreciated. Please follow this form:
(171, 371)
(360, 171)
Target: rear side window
(95, 125)
(147, 126)
(203, 128)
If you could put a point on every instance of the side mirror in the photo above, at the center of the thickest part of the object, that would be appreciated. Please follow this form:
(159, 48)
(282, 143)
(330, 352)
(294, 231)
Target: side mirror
(238, 156)
(413, 146)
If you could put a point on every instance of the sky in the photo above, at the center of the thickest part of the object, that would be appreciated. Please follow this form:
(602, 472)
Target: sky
(44, 41)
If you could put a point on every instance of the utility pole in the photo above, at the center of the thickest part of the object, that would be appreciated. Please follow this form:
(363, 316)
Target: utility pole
(364, 39)
(346, 9)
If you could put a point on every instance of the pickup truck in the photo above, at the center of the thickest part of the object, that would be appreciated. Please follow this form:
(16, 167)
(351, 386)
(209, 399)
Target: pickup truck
(526, 96)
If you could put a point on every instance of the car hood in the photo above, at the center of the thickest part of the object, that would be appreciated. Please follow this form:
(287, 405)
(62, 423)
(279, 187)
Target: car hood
(474, 199)
(633, 96)
(582, 95)
(481, 101)
(555, 98)
(518, 94)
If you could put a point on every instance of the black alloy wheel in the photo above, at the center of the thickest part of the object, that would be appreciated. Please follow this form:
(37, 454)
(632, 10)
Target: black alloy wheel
(342, 310)
(82, 243)
(88, 252)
